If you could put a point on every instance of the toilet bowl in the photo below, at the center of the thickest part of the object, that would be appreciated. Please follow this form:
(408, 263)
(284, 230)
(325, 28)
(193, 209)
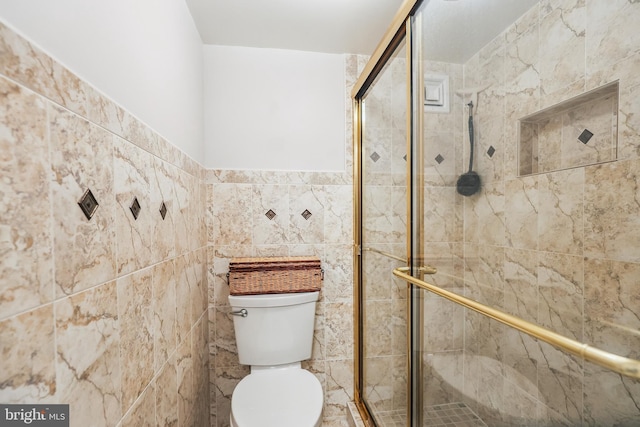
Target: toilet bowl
(277, 397)
(274, 333)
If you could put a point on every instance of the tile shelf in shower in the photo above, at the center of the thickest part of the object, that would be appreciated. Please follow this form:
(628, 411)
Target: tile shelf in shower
(576, 132)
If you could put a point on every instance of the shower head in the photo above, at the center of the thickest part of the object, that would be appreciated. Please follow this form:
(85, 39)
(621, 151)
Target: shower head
(471, 94)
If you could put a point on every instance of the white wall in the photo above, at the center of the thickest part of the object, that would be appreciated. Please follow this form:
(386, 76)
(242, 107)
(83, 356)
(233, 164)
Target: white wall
(146, 55)
(272, 109)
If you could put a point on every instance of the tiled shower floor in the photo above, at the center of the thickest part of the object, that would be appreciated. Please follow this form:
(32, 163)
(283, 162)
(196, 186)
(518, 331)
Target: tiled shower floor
(450, 414)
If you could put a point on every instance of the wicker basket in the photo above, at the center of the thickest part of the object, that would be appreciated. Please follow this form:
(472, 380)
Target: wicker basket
(275, 275)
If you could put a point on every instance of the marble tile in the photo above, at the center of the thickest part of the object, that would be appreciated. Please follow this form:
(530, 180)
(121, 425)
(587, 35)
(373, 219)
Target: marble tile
(225, 344)
(489, 133)
(384, 217)
(167, 395)
(621, 405)
(443, 377)
(91, 380)
(131, 180)
(442, 325)
(523, 24)
(28, 357)
(143, 412)
(184, 190)
(611, 306)
(611, 36)
(231, 214)
(548, 144)
(518, 407)
(379, 330)
(628, 103)
(26, 261)
(185, 281)
(561, 222)
(377, 273)
(226, 379)
(339, 387)
(484, 215)
(306, 198)
(164, 312)
(30, 66)
(338, 273)
(162, 191)
(338, 208)
(196, 279)
(560, 379)
(448, 259)
(104, 112)
(185, 380)
(136, 319)
(378, 385)
(377, 153)
(521, 358)
(444, 218)
(276, 199)
(562, 48)
(318, 350)
(81, 160)
(521, 212)
(610, 210)
(339, 330)
(521, 283)
(484, 266)
(200, 352)
(561, 294)
(599, 117)
(439, 145)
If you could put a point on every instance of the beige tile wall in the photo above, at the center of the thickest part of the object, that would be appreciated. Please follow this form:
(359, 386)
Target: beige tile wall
(559, 248)
(107, 315)
(238, 226)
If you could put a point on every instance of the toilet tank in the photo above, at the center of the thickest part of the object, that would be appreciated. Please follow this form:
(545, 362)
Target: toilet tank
(277, 329)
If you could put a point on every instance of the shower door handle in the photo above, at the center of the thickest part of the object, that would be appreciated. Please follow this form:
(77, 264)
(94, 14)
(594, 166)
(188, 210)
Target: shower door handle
(424, 269)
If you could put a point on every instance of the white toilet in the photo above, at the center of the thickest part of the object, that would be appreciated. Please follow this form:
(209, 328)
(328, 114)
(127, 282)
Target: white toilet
(274, 333)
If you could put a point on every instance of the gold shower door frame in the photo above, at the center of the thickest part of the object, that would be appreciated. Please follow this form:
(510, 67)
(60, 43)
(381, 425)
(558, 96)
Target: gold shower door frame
(398, 32)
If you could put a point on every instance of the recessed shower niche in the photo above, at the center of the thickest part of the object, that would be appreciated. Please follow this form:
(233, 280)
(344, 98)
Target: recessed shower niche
(579, 131)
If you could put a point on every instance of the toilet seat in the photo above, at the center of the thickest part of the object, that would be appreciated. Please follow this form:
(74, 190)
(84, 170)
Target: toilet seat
(277, 398)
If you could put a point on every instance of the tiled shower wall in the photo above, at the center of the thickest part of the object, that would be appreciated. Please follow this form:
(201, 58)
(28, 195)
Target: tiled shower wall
(239, 227)
(561, 249)
(107, 315)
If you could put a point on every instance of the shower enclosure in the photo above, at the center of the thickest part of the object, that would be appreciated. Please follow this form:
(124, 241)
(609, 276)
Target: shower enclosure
(518, 304)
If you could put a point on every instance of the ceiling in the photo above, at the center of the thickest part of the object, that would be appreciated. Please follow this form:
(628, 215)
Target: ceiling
(331, 26)
(455, 30)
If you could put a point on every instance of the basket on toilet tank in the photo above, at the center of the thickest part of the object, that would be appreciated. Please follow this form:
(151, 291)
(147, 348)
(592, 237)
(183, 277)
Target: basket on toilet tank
(274, 275)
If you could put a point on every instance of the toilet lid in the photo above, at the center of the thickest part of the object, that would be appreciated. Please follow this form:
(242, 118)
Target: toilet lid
(277, 398)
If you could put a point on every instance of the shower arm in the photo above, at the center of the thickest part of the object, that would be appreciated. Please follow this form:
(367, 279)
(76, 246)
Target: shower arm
(622, 365)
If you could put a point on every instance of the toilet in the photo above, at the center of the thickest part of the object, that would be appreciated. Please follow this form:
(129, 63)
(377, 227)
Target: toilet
(274, 334)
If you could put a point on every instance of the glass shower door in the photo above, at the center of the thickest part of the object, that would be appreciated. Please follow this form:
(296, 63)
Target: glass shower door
(383, 298)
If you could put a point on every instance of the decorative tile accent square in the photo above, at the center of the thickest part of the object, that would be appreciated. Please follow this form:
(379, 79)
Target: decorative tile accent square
(88, 204)
(375, 157)
(491, 151)
(135, 208)
(306, 214)
(439, 159)
(270, 214)
(585, 136)
(163, 210)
